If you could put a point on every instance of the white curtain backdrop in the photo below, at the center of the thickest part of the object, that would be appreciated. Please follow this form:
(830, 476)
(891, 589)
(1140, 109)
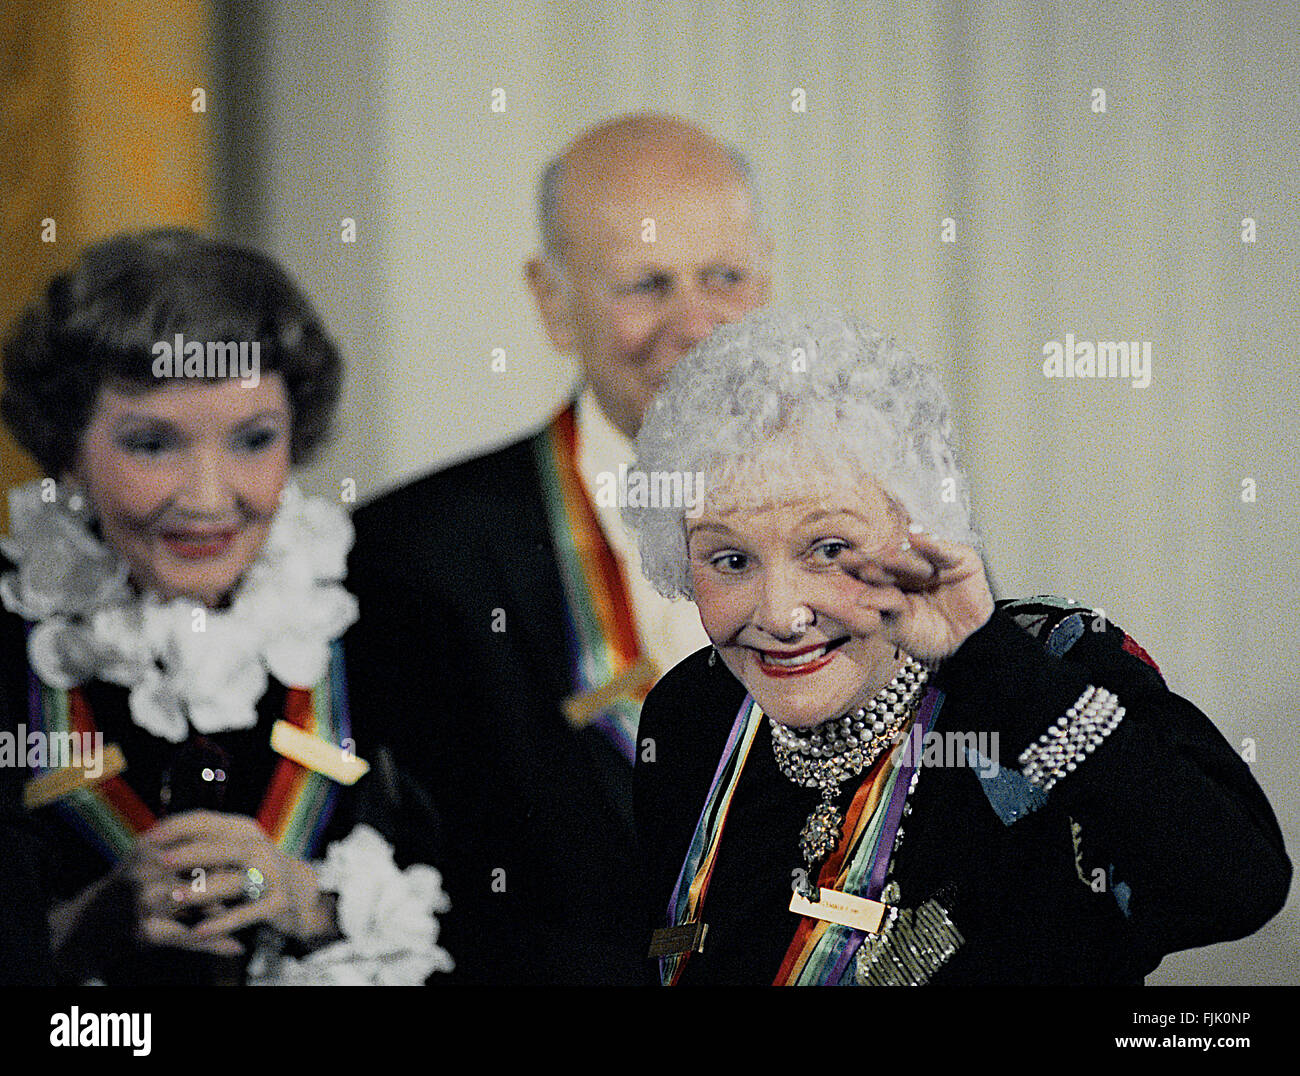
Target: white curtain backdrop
(1116, 225)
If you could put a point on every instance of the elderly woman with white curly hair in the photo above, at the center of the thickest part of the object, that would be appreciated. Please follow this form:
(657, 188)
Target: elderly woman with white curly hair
(877, 774)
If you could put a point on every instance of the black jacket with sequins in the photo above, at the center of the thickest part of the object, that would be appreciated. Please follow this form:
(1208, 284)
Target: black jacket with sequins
(1160, 840)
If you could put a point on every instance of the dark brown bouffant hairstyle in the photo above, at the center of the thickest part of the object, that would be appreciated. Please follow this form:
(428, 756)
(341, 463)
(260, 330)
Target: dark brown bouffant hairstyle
(96, 325)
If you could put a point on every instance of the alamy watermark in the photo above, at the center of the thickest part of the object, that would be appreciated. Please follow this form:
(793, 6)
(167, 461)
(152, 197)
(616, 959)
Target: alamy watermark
(219, 359)
(1100, 358)
(37, 750)
(77, 1028)
(651, 489)
(951, 750)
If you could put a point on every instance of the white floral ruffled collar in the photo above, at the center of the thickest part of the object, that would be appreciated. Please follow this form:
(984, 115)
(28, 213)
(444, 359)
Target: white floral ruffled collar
(89, 622)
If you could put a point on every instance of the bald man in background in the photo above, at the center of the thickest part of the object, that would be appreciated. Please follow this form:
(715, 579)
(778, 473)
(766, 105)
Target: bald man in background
(507, 635)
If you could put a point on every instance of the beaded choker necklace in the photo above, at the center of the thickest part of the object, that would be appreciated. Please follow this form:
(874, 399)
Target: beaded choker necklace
(839, 749)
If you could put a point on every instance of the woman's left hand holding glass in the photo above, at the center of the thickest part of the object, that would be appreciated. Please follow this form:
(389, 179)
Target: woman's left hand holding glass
(239, 864)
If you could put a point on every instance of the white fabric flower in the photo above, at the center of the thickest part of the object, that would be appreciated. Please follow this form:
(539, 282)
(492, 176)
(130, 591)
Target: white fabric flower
(179, 659)
(295, 656)
(387, 917)
(156, 707)
(62, 568)
(62, 654)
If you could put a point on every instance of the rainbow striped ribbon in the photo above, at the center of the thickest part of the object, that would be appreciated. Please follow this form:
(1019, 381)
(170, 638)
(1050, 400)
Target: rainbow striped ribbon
(820, 953)
(601, 632)
(295, 810)
(685, 904)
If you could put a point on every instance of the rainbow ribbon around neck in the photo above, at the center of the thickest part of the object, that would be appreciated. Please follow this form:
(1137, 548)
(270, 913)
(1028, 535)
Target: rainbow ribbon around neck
(601, 632)
(820, 953)
(295, 809)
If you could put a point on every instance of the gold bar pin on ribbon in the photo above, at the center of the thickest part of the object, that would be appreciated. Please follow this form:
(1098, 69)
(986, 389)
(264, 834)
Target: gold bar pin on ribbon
(314, 753)
(48, 787)
(687, 938)
(858, 913)
(582, 709)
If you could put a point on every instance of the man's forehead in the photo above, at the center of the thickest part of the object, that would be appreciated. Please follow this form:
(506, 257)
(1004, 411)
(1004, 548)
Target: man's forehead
(663, 223)
(626, 153)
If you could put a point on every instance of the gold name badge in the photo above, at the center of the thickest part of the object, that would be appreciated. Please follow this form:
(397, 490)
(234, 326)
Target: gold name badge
(842, 908)
(687, 938)
(314, 753)
(48, 787)
(630, 683)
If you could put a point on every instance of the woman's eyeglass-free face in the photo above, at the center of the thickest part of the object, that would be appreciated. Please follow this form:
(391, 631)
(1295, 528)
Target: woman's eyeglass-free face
(785, 618)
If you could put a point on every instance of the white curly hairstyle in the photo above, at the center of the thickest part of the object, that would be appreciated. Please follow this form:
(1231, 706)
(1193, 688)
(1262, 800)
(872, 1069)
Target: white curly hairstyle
(785, 404)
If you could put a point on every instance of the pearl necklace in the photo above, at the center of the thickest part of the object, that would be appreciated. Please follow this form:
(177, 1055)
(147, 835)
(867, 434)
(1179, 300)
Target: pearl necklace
(839, 749)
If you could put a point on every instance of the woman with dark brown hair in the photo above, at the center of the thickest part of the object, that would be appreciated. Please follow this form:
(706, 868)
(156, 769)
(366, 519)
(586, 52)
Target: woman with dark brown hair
(173, 610)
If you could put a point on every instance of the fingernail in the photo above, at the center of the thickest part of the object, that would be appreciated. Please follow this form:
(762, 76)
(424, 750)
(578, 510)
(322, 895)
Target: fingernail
(916, 528)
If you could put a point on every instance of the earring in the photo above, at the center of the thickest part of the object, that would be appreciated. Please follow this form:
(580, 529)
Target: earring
(70, 492)
(713, 656)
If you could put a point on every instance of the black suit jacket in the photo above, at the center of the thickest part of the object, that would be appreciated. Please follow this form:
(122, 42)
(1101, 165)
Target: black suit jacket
(1161, 840)
(461, 654)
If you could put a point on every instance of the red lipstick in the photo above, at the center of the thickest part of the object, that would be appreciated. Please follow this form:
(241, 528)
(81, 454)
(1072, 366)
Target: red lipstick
(199, 545)
(783, 664)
